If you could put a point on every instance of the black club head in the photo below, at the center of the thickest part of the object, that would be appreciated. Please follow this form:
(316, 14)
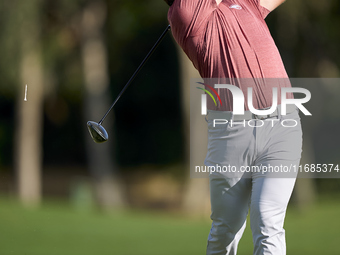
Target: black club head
(97, 132)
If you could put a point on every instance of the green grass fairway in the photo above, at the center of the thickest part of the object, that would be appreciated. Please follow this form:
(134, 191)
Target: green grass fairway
(56, 229)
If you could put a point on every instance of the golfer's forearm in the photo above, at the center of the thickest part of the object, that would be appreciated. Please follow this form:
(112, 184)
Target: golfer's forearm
(271, 4)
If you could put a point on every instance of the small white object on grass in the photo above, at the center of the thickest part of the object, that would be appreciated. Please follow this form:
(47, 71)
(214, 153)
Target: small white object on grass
(25, 93)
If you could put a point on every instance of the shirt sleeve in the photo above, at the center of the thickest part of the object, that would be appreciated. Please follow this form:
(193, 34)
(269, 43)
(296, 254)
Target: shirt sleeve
(186, 16)
(263, 11)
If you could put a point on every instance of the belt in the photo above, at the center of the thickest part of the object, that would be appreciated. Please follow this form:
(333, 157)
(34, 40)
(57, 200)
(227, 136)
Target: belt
(248, 115)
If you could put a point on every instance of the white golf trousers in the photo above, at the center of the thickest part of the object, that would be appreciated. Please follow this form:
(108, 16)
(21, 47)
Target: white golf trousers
(265, 194)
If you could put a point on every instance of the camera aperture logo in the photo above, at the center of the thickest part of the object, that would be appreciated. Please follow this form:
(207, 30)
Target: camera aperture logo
(207, 91)
(260, 115)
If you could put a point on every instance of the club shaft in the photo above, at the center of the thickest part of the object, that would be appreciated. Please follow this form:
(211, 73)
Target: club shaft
(136, 72)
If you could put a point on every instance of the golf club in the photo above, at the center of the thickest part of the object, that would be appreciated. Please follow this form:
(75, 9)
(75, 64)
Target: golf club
(97, 131)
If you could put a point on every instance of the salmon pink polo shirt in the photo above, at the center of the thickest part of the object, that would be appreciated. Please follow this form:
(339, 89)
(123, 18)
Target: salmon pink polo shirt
(230, 41)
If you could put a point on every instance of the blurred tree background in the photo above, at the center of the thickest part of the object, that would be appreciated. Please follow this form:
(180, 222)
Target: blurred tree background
(85, 52)
(75, 57)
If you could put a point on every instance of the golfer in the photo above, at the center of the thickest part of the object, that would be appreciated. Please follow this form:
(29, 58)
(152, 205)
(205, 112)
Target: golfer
(228, 40)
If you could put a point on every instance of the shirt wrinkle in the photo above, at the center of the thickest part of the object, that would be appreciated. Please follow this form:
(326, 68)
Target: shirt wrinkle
(229, 40)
